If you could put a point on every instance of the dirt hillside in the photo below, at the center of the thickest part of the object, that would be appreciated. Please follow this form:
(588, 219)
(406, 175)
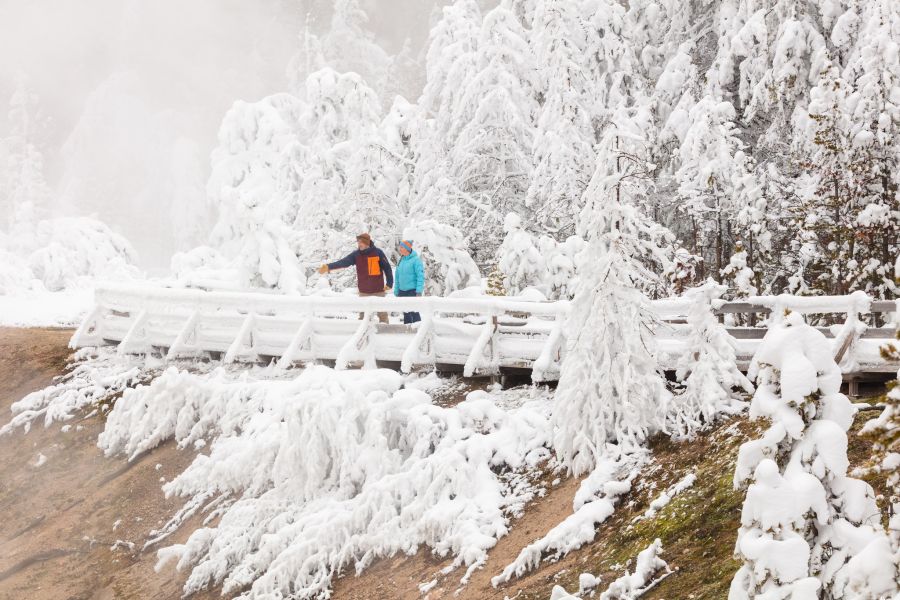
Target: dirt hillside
(74, 521)
(59, 525)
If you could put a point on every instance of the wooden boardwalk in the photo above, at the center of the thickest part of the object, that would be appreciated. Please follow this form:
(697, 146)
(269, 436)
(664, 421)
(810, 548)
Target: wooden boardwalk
(479, 336)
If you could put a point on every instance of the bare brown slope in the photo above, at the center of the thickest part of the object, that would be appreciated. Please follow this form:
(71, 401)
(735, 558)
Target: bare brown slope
(56, 530)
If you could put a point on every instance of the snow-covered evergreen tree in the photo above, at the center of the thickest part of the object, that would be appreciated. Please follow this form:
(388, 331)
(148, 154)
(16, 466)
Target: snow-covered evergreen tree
(563, 154)
(245, 188)
(72, 252)
(450, 63)
(443, 249)
(716, 181)
(380, 175)
(611, 394)
(772, 53)
(520, 261)
(349, 47)
(615, 76)
(807, 528)
(307, 59)
(26, 193)
(42, 251)
(739, 277)
(492, 154)
(683, 271)
(849, 207)
(561, 258)
(709, 368)
(873, 69)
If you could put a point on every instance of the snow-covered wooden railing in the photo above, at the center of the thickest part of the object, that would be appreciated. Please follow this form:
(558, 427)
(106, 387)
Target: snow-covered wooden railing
(481, 335)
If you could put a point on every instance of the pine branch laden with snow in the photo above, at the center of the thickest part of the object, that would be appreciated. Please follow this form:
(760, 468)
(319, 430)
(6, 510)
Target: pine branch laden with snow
(330, 471)
(708, 369)
(96, 376)
(807, 528)
(611, 390)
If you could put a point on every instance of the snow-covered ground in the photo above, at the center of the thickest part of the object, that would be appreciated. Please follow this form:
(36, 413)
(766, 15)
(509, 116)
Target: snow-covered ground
(65, 308)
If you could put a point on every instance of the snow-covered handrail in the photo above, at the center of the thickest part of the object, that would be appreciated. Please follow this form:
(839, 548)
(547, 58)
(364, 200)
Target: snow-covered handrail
(858, 302)
(156, 299)
(482, 335)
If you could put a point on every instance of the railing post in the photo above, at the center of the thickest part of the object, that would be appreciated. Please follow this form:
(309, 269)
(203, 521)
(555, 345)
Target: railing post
(488, 341)
(550, 360)
(852, 330)
(90, 331)
(186, 344)
(135, 341)
(242, 348)
(424, 336)
(360, 343)
(303, 339)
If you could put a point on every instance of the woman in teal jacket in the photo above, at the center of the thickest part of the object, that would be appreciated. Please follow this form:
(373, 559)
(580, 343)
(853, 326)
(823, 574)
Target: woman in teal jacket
(409, 277)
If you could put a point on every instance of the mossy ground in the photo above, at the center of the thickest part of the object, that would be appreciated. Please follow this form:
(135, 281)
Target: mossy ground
(698, 528)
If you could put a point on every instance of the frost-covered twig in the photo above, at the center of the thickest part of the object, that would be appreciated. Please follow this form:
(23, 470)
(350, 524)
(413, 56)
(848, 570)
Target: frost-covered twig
(629, 586)
(663, 499)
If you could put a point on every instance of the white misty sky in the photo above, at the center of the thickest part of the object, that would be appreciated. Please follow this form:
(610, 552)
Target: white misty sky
(185, 63)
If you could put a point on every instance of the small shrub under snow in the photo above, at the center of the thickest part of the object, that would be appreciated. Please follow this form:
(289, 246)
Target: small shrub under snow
(807, 529)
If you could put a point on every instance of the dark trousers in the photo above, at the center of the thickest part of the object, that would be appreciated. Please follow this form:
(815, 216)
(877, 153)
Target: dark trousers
(409, 317)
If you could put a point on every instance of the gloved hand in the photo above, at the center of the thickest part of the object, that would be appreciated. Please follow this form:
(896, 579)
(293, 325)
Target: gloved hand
(323, 269)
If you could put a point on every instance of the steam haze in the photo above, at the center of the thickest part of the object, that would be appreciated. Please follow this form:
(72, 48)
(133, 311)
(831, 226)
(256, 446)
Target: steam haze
(132, 93)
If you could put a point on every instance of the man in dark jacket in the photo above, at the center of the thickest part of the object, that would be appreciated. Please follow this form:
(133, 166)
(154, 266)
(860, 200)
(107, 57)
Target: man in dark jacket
(373, 271)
